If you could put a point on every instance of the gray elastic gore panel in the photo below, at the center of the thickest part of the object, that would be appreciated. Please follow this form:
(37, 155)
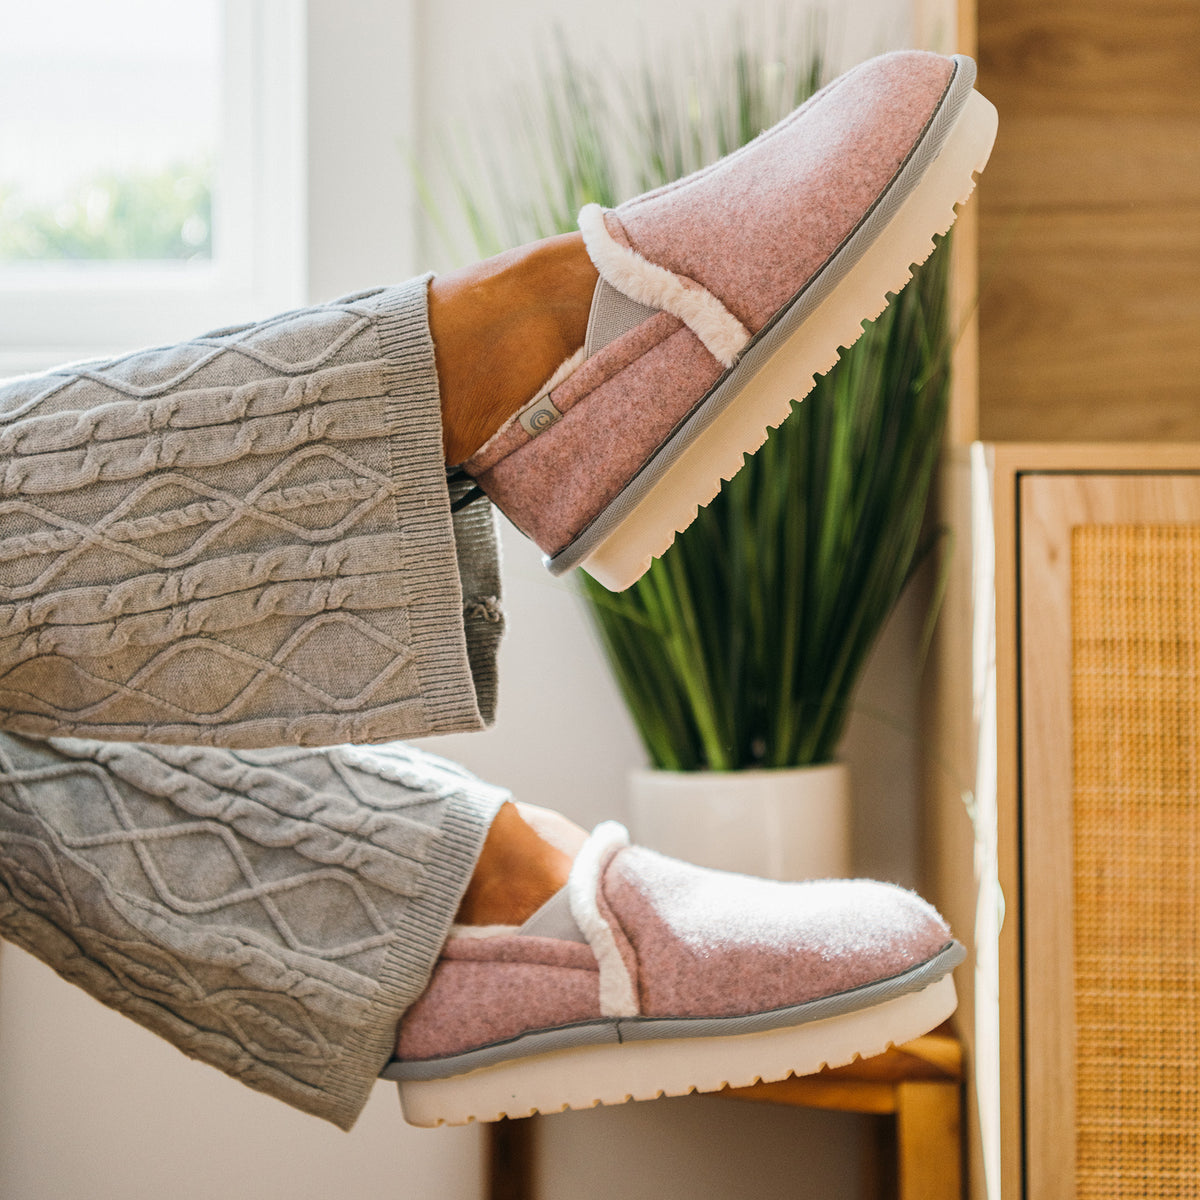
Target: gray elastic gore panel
(613, 314)
(554, 920)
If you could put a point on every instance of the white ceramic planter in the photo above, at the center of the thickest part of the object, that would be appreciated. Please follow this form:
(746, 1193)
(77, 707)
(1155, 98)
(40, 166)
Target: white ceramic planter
(785, 824)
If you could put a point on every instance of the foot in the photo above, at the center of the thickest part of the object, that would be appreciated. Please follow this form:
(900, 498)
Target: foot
(723, 296)
(647, 977)
(500, 330)
(517, 872)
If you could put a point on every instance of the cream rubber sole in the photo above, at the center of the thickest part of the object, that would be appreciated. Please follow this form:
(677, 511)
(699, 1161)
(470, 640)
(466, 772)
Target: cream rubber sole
(643, 1070)
(669, 505)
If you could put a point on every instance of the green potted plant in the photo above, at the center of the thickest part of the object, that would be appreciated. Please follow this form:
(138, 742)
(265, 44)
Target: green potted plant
(738, 653)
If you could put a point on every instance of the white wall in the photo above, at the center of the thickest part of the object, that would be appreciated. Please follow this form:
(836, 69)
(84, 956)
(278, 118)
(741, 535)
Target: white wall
(93, 1106)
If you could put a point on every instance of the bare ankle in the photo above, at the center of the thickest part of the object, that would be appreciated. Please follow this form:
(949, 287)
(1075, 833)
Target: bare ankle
(516, 874)
(500, 330)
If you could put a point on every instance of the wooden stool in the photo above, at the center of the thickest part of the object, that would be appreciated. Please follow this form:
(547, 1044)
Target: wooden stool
(920, 1083)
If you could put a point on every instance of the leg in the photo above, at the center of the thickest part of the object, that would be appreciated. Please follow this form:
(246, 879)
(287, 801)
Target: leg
(270, 912)
(262, 503)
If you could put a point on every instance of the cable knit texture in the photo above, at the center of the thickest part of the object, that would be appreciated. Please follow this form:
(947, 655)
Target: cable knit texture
(271, 912)
(247, 540)
(244, 540)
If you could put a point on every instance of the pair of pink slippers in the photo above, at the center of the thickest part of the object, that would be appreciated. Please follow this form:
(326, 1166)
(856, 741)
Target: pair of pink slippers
(720, 298)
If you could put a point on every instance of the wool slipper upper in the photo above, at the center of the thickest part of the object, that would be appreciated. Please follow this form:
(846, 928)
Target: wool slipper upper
(646, 976)
(721, 297)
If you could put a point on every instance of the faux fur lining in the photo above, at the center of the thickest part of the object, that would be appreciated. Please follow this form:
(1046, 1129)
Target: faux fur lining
(617, 995)
(722, 334)
(567, 367)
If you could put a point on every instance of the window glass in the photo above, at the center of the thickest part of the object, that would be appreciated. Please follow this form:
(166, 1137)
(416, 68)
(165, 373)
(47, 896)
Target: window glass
(109, 130)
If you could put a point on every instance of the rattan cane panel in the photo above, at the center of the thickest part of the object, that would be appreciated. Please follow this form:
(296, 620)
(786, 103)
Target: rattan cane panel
(1136, 702)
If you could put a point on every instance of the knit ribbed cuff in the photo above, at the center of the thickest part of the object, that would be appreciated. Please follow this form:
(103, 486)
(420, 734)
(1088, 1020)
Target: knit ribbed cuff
(450, 562)
(414, 952)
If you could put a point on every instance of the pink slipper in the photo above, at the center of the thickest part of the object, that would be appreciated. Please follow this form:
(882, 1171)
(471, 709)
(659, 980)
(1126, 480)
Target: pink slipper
(646, 976)
(721, 296)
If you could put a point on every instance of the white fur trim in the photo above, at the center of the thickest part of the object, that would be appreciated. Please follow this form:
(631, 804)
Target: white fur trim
(567, 367)
(617, 995)
(723, 335)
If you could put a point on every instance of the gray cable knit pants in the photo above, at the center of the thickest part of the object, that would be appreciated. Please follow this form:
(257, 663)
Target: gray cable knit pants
(208, 550)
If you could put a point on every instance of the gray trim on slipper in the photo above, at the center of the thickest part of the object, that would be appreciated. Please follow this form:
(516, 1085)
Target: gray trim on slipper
(615, 1030)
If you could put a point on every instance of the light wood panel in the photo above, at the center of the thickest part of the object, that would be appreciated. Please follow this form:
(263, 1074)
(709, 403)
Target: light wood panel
(1090, 57)
(1090, 220)
(948, 26)
(1091, 326)
(1152, 169)
(976, 716)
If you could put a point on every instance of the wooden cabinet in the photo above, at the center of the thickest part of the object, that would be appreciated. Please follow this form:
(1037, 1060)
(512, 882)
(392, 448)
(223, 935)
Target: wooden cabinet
(1062, 726)
(1063, 770)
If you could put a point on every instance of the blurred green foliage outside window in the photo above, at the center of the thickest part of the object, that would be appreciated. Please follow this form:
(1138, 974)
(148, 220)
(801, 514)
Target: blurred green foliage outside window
(123, 216)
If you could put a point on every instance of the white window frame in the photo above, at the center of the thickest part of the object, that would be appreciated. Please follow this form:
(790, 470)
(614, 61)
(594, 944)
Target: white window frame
(53, 312)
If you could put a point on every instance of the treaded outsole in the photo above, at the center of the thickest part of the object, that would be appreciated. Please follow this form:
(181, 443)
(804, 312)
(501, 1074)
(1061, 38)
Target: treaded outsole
(642, 523)
(646, 1070)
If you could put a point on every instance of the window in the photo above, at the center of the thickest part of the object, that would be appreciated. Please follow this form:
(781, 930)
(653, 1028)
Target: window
(110, 132)
(151, 171)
